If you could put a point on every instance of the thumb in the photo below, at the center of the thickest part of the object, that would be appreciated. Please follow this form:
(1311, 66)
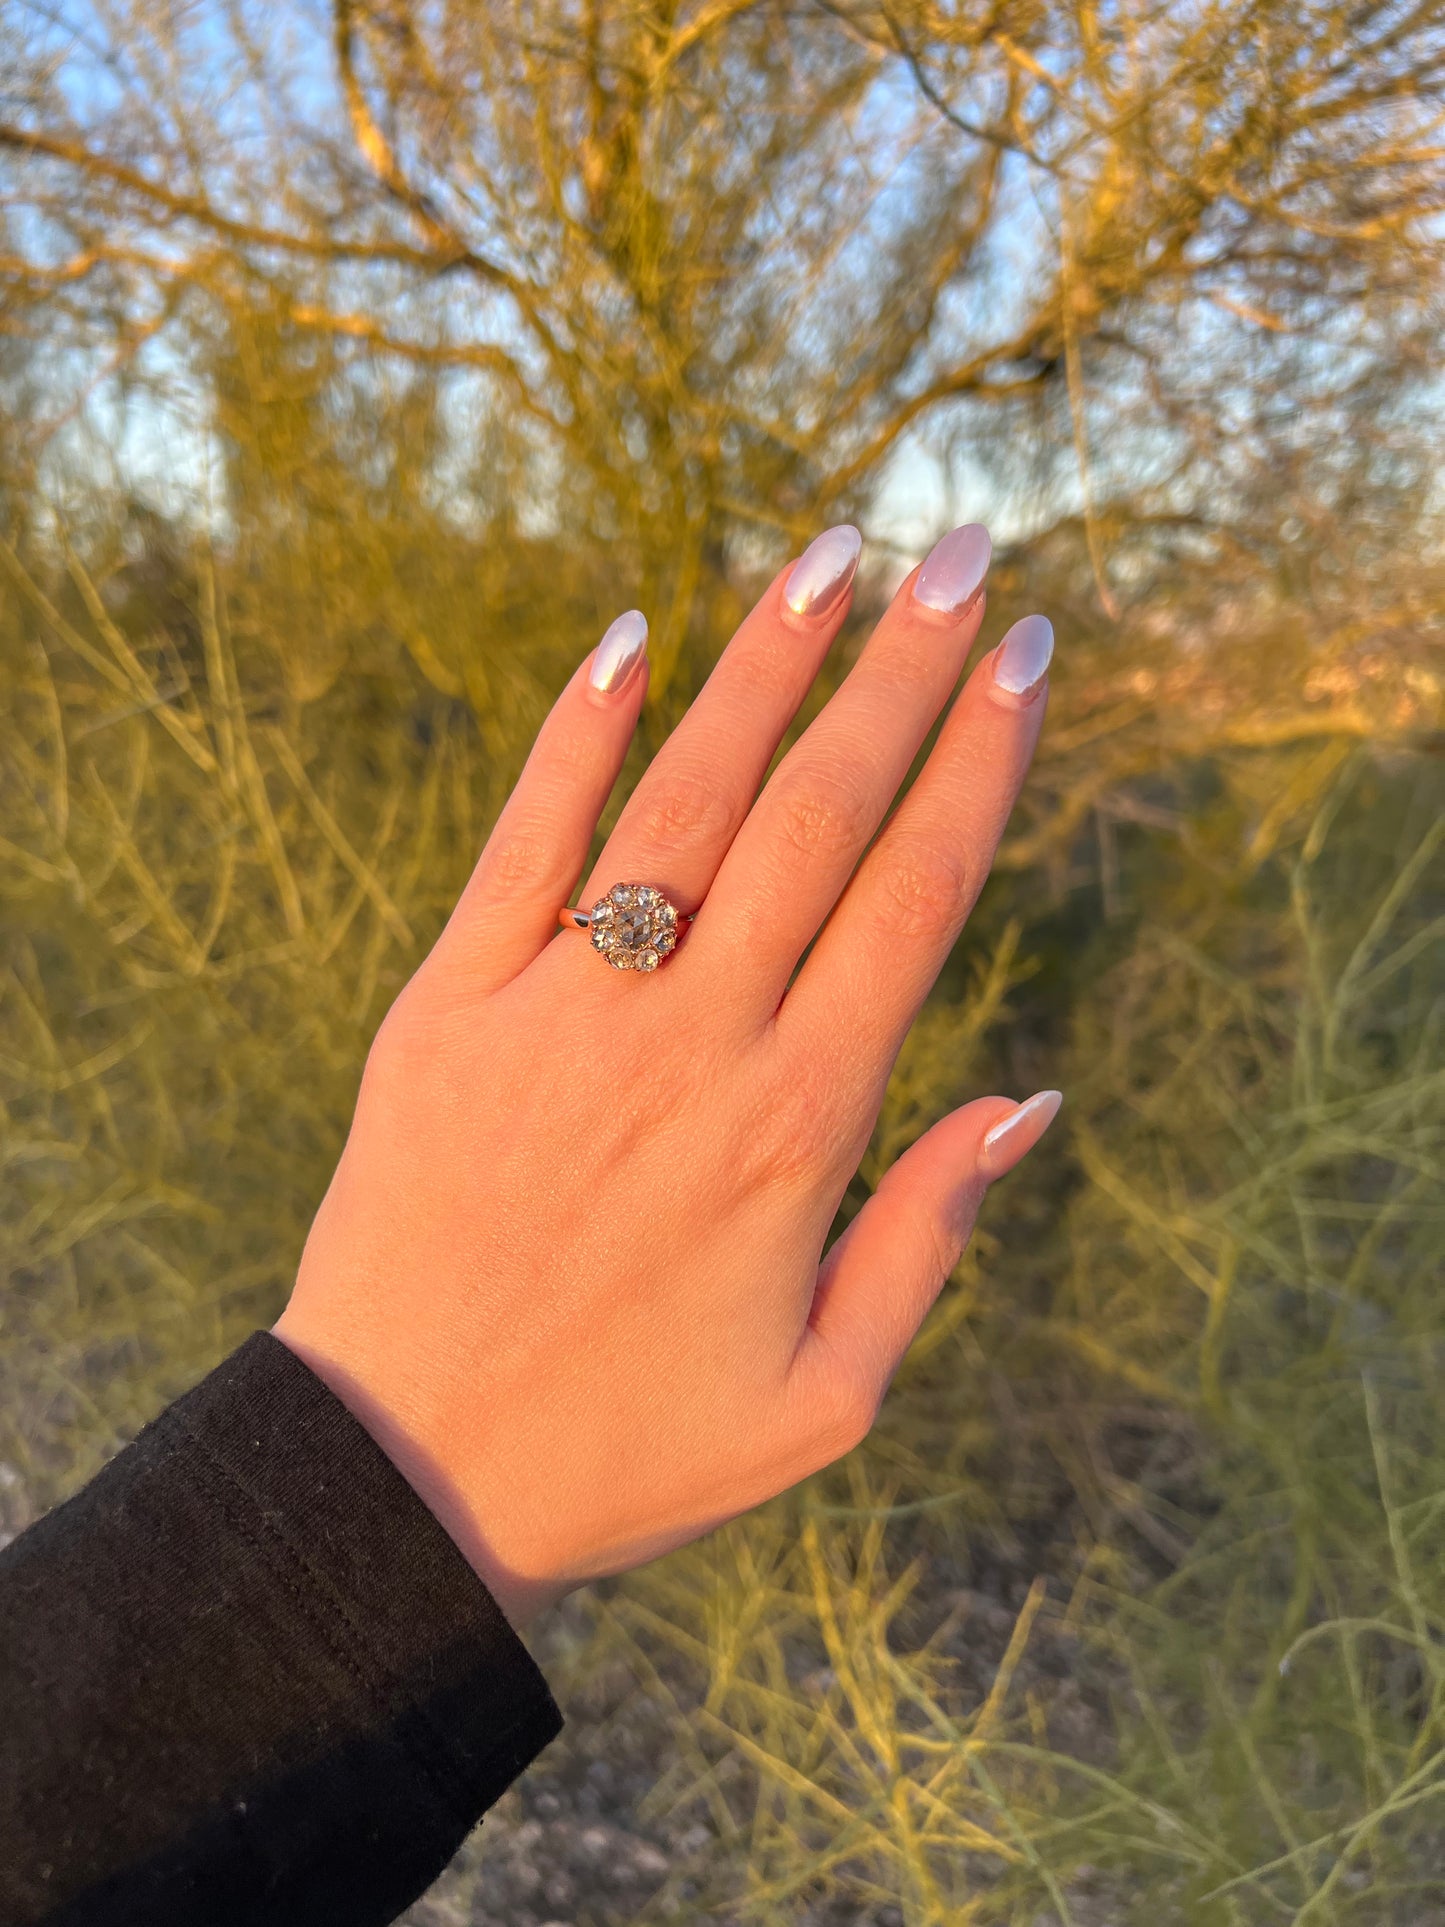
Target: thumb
(879, 1280)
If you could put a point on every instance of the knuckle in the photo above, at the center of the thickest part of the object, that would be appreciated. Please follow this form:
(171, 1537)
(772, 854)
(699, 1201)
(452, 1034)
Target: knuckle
(796, 1128)
(681, 809)
(398, 1053)
(852, 1410)
(760, 666)
(782, 1146)
(790, 1153)
(520, 861)
(942, 1243)
(911, 659)
(927, 887)
(822, 817)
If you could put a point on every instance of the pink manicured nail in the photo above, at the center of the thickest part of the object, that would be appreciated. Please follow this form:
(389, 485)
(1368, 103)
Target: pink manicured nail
(619, 653)
(1024, 655)
(1019, 1132)
(954, 571)
(823, 571)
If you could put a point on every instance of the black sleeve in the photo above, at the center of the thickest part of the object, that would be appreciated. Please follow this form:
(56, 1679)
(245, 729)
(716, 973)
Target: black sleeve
(246, 1678)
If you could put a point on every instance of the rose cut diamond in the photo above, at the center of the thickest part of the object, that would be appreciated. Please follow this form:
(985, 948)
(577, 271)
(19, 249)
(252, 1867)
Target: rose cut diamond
(634, 926)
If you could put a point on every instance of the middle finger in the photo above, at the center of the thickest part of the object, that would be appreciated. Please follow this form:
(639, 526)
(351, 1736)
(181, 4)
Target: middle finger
(799, 846)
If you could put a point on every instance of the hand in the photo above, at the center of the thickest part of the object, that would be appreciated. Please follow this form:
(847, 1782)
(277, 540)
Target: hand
(567, 1272)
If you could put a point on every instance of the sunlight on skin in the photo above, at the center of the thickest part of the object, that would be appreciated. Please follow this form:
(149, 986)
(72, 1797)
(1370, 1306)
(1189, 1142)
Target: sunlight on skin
(476, 1287)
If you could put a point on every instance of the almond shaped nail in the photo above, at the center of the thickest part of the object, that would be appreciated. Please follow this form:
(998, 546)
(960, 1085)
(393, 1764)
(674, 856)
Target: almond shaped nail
(1020, 1131)
(823, 571)
(619, 653)
(954, 571)
(1024, 655)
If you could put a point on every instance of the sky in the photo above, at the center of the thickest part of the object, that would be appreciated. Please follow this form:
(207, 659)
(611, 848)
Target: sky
(157, 432)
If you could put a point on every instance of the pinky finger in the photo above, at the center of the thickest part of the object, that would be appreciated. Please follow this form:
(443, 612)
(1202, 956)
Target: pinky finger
(880, 1279)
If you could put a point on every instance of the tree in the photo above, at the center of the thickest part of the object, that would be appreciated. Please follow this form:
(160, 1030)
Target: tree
(692, 276)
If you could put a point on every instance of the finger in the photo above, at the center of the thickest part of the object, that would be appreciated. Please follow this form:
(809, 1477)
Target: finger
(899, 917)
(533, 857)
(792, 857)
(880, 1279)
(681, 818)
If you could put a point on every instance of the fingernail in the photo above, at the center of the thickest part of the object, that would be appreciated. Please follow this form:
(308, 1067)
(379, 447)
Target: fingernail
(954, 571)
(823, 571)
(1023, 656)
(619, 653)
(1020, 1131)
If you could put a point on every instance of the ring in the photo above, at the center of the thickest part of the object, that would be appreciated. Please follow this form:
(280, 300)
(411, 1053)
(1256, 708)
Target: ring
(633, 926)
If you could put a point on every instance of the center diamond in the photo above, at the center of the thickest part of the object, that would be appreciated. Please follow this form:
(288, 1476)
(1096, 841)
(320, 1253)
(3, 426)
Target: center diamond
(634, 926)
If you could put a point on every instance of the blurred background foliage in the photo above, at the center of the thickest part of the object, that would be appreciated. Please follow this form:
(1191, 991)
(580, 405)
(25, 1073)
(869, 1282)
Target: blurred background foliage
(359, 359)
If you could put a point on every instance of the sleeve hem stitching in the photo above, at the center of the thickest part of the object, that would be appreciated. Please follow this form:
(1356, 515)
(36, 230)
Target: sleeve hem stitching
(279, 1554)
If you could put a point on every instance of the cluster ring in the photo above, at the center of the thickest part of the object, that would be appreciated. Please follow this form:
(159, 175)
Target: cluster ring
(634, 926)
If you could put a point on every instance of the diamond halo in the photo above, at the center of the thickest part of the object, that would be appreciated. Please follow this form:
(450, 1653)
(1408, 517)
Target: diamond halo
(633, 926)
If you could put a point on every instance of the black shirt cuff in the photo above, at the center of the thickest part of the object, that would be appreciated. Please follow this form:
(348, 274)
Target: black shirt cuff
(251, 1677)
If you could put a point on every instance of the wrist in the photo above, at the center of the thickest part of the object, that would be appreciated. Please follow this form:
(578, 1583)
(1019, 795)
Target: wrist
(521, 1599)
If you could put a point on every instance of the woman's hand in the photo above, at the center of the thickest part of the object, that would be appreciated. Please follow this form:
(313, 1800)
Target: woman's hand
(567, 1272)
